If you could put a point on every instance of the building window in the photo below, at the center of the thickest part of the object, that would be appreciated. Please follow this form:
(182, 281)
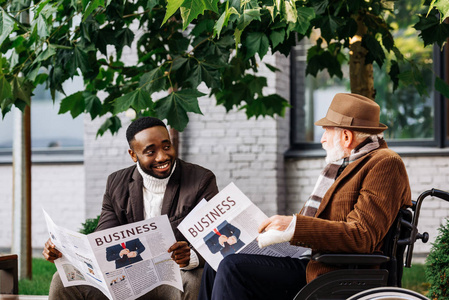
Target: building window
(413, 120)
(49, 131)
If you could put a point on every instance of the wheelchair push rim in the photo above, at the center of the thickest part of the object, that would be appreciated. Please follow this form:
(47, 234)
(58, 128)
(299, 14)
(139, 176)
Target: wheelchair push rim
(388, 293)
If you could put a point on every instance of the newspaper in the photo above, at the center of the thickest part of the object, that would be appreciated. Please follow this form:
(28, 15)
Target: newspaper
(123, 262)
(228, 224)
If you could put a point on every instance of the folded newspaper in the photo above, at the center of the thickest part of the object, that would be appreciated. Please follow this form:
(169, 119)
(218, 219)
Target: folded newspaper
(123, 262)
(228, 224)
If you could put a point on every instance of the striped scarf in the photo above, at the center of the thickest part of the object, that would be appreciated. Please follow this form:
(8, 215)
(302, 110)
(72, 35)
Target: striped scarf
(332, 171)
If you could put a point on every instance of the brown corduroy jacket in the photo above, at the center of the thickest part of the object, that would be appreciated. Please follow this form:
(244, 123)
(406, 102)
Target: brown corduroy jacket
(357, 210)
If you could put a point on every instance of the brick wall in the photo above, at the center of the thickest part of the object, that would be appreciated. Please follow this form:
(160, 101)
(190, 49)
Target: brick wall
(246, 152)
(58, 188)
(102, 156)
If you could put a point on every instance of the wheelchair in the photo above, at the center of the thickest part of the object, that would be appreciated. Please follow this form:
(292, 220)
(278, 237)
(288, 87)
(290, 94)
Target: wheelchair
(360, 277)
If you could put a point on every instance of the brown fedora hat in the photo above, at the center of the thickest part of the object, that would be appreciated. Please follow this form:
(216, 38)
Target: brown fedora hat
(355, 112)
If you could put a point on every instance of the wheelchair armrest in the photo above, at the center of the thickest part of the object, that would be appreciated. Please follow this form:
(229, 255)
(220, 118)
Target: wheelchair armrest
(351, 259)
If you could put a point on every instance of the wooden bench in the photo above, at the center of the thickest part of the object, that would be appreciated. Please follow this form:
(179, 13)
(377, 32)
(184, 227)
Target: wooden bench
(9, 283)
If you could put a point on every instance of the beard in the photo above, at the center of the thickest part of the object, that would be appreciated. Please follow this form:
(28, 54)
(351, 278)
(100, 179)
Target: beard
(336, 152)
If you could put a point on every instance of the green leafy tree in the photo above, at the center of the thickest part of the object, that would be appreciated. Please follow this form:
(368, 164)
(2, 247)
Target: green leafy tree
(437, 265)
(182, 44)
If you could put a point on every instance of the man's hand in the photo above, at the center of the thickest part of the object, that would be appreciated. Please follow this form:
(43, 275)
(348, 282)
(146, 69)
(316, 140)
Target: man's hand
(275, 222)
(131, 254)
(275, 230)
(181, 253)
(232, 240)
(50, 252)
(124, 252)
(222, 239)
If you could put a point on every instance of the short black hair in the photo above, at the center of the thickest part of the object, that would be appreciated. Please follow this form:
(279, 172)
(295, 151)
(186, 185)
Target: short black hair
(140, 124)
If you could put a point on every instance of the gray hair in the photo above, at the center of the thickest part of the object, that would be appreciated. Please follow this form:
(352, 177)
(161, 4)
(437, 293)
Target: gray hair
(360, 136)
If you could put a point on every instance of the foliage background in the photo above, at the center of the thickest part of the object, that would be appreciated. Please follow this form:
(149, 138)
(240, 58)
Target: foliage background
(189, 48)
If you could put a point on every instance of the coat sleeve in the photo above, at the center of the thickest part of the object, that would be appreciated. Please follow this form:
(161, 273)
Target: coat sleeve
(136, 245)
(363, 212)
(113, 252)
(208, 186)
(213, 244)
(108, 216)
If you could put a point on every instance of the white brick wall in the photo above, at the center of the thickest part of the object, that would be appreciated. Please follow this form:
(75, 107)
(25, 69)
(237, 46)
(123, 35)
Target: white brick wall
(58, 188)
(246, 152)
(102, 156)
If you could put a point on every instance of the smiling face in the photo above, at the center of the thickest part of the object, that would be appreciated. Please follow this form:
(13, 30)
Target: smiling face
(153, 150)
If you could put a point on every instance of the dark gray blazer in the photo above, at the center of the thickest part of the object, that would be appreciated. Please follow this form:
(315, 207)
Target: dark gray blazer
(123, 199)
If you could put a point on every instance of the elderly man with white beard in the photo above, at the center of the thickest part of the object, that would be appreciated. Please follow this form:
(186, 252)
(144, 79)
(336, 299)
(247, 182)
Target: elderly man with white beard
(353, 204)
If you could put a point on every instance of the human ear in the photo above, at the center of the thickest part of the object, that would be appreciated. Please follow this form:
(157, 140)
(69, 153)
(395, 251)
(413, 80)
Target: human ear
(348, 137)
(133, 155)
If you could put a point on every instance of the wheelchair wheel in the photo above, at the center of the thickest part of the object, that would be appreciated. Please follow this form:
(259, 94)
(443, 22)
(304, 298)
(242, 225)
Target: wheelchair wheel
(387, 293)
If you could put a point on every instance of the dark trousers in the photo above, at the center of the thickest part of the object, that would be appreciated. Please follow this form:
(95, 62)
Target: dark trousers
(246, 276)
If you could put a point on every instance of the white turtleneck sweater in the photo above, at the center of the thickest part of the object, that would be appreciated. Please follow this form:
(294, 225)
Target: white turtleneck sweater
(153, 195)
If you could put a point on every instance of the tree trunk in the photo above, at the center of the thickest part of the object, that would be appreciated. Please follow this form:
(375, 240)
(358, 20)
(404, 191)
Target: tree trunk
(360, 74)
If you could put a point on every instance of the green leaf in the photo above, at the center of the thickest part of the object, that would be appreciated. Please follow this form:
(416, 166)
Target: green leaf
(305, 15)
(153, 81)
(172, 7)
(277, 37)
(329, 27)
(93, 5)
(44, 55)
(81, 59)
(442, 87)
(320, 6)
(93, 105)
(112, 124)
(124, 37)
(443, 7)
(151, 4)
(204, 72)
(266, 106)
(41, 26)
(256, 42)
(6, 25)
(191, 9)
(376, 52)
(73, 103)
(175, 107)
(224, 19)
(5, 90)
(414, 78)
(432, 31)
(320, 60)
(394, 72)
(138, 99)
(21, 90)
(247, 17)
(179, 62)
(255, 84)
(272, 68)
(40, 7)
(5, 106)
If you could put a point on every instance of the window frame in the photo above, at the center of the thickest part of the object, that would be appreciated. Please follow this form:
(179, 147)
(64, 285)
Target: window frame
(441, 113)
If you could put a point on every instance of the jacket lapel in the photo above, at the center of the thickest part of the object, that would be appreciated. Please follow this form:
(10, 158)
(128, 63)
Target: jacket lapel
(168, 203)
(135, 209)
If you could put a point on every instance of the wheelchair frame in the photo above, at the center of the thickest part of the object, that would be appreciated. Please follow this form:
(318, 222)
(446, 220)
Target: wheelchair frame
(357, 279)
